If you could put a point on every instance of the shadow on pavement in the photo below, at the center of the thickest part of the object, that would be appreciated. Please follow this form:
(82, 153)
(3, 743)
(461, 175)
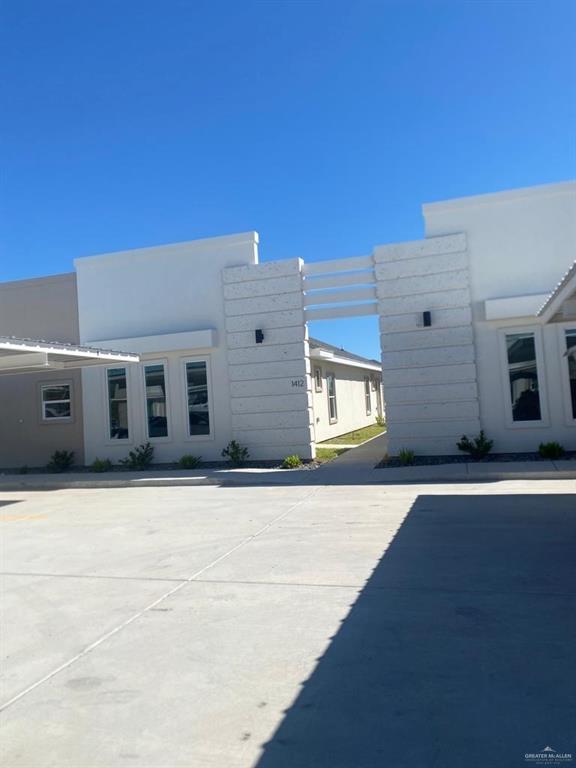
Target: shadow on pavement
(458, 653)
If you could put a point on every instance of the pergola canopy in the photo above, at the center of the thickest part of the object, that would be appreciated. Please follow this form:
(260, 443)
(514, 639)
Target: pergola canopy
(34, 356)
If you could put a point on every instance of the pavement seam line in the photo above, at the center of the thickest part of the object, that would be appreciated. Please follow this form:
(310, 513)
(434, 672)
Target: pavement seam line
(165, 596)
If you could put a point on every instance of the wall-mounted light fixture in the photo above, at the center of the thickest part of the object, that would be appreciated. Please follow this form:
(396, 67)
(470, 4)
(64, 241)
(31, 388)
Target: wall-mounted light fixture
(427, 319)
(259, 334)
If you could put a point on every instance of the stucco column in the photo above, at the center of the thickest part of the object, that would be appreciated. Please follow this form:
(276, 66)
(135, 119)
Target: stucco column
(429, 372)
(270, 382)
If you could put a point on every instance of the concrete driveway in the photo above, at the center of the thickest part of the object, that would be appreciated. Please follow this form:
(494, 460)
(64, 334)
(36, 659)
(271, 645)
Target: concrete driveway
(289, 627)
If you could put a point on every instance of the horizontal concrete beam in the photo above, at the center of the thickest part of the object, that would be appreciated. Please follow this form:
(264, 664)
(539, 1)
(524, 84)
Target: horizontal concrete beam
(339, 295)
(366, 277)
(270, 269)
(329, 313)
(418, 248)
(338, 265)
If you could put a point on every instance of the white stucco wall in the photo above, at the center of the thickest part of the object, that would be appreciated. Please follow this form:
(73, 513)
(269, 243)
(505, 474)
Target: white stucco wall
(351, 403)
(147, 301)
(270, 384)
(520, 243)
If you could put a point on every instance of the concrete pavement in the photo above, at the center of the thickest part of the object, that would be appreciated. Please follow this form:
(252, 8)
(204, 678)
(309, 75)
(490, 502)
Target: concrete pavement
(414, 626)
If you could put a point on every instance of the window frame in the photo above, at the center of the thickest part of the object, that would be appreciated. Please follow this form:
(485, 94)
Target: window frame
(43, 385)
(536, 331)
(147, 364)
(318, 386)
(184, 383)
(569, 417)
(368, 395)
(129, 400)
(332, 375)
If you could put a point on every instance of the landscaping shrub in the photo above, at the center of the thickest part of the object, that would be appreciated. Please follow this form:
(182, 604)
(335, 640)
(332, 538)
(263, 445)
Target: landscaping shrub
(551, 450)
(478, 447)
(101, 465)
(235, 453)
(188, 461)
(406, 457)
(380, 421)
(60, 461)
(292, 462)
(140, 458)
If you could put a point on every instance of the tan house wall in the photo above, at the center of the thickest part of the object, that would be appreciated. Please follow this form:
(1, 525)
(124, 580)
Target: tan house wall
(42, 308)
(351, 404)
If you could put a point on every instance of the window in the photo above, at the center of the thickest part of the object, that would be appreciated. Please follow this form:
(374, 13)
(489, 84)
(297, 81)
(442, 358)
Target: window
(367, 396)
(523, 377)
(156, 414)
(374, 382)
(56, 402)
(318, 379)
(331, 388)
(117, 404)
(197, 398)
(571, 345)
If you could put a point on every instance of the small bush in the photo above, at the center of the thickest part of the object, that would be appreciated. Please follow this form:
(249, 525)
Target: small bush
(380, 421)
(551, 450)
(406, 457)
(60, 461)
(291, 462)
(478, 447)
(101, 465)
(235, 453)
(189, 462)
(140, 458)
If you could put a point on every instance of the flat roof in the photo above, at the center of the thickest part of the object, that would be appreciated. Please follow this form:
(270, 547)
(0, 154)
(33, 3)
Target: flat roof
(35, 355)
(489, 198)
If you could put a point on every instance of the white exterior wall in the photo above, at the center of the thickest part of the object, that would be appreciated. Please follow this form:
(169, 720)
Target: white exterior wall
(270, 384)
(350, 400)
(428, 373)
(166, 303)
(520, 243)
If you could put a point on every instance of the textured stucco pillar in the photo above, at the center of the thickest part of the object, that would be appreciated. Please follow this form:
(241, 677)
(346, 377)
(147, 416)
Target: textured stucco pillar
(429, 373)
(270, 382)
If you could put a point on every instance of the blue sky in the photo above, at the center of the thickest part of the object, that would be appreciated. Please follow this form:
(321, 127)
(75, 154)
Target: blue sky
(323, 125)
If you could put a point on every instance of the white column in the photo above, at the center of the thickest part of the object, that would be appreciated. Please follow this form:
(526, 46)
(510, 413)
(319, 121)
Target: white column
(270, 382)
(429, 373)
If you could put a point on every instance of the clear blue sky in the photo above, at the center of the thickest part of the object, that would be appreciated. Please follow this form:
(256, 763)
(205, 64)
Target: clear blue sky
(323, 125)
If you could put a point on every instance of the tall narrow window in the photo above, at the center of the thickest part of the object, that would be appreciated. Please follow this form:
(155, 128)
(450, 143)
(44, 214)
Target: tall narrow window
(56, 402)
(332, 406)
(198, 406)
(367, 396)
(117, 404)
(571, 345)
(156, 415)
(523, 377)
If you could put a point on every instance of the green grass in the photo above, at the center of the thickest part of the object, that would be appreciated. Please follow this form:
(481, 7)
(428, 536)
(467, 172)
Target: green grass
(358, 436)
(327, 454)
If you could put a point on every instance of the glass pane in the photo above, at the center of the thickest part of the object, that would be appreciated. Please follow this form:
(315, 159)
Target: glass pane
(56, 410)
(571, 344)
(156, 401)
(118, 404)
(523, 377)
(197, 388)
(56, 393)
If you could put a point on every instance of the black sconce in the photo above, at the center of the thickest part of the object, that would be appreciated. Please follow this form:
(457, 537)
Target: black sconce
(259, 334)
(426, 319)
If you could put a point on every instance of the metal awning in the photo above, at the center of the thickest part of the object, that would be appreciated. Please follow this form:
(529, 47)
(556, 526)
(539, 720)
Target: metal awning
(34, 356)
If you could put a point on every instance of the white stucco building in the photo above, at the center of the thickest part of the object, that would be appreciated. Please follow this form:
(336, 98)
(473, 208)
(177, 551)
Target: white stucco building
(477, 323)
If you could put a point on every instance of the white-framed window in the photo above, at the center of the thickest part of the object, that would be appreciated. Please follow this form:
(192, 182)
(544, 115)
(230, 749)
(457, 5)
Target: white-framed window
(156, 400)
(56, 402)
(331, 392)
(367, 395)
(524, 383)
(318, 379)
(374, 382)
(198, 399)
(568, 349)
(117, 399)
